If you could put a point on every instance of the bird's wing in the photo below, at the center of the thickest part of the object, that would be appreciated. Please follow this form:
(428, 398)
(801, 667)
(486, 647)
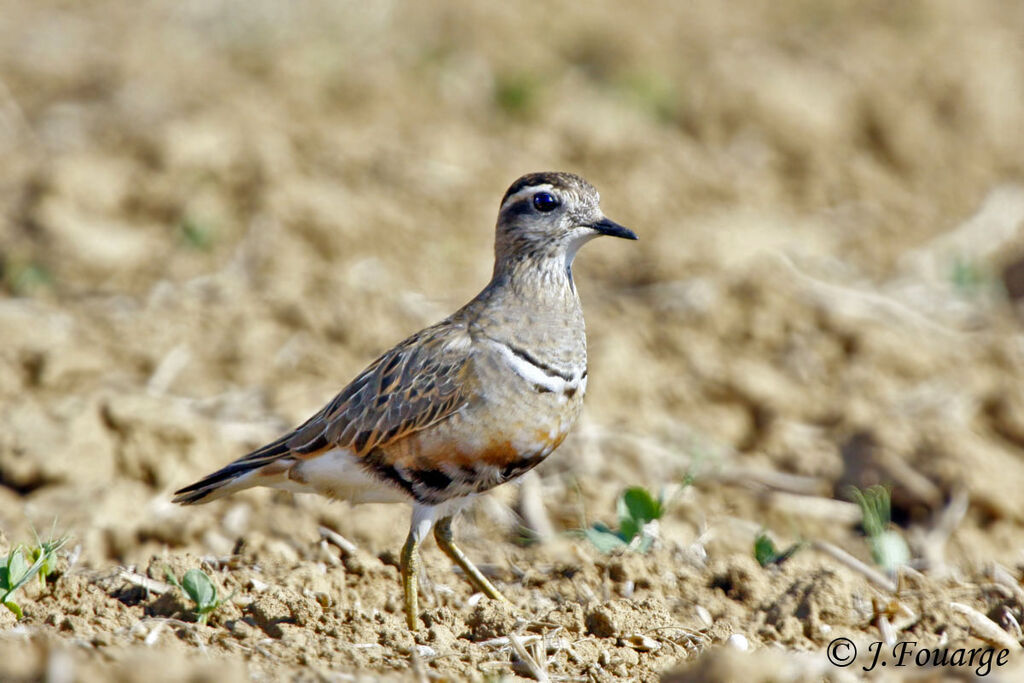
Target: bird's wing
(418, 383)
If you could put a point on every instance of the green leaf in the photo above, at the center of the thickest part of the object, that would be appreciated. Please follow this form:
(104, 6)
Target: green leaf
(13, 606)
(198, 586)
(18, 572)
(17, 565)
(26, 278)
(628, 529)
(765, 551)
(196, 234)
(171, 578)
(641, 504)
(636, 507)
(875, 505)
(21, 564)
(603, 538)
(47, 552)
(968, 277)
(49, 565)
(516, 93)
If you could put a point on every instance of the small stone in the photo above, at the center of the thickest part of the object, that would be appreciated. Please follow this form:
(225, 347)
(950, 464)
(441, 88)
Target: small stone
(642, 643)
(627, 656)
(738, 641)
(425, 651)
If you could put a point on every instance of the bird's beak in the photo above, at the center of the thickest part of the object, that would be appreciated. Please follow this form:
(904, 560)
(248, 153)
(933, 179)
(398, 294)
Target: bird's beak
(613, 229)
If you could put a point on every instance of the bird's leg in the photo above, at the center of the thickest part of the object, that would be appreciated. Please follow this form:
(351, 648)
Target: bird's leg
(422, 520)
(443, 535)
(410, 563)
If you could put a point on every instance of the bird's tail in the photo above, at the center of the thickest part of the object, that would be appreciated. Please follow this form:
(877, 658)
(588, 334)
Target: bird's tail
(267, 466)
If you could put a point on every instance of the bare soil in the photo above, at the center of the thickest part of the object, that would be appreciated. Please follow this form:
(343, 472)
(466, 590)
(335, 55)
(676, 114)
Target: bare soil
(212, 215)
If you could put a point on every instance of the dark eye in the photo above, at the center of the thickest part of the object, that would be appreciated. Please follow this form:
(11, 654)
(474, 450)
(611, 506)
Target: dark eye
(544, 202)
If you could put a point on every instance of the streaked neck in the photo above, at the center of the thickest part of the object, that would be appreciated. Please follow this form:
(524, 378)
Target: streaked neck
(544, 279)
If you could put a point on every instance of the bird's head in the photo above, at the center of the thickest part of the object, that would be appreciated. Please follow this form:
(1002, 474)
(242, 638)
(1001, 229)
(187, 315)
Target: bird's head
(550, 216)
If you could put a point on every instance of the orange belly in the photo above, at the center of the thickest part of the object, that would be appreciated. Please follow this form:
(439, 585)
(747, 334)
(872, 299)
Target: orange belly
(471, 452)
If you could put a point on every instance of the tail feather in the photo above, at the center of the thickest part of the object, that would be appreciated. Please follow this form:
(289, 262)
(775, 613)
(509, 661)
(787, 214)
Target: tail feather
(240, 474)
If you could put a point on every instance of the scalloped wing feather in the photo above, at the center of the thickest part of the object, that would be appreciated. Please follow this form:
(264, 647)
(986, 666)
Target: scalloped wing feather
(418, 383)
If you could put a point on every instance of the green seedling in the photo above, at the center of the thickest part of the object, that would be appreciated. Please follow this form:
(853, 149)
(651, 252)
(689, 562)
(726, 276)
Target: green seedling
(196, 234)
(638, 510)
(24, 278)
(766, 553)
(968, 277)
(888, 548)
(46, 552)
(516, 93)
(199, 588)
(24, 562)
(654, 93)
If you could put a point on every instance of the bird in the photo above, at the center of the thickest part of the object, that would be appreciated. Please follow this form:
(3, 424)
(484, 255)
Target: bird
(464, 405)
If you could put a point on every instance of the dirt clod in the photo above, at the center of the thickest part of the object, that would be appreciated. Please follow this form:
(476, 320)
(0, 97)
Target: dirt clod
(268, 611)
(616, 618)
(490, 619)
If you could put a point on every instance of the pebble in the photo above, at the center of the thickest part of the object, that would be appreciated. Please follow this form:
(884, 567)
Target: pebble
(739, 642)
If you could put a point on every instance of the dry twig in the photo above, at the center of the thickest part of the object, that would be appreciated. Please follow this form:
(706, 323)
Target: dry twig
(536, 671)
(142, 581)
(872, 575)
(985, 628)
(337, 539)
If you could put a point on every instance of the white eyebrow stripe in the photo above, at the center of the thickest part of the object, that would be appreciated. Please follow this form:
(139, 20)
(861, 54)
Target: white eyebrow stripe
(532, 373)
(529, 189)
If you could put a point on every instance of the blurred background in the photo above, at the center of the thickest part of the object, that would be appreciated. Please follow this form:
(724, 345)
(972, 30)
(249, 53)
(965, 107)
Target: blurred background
(214, 214)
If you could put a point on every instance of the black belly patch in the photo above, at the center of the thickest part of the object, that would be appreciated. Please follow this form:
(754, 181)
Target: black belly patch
(375, 462)
(514, 469)
(431, 479)
(433, 486)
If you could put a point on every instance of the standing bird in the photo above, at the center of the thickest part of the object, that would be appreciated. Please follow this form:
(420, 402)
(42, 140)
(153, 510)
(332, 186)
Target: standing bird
(464, 405)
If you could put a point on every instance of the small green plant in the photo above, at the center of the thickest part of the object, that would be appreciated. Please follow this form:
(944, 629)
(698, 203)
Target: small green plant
(968, 277)
(46, 552)
(637, 509)
(24, 562)
(199, 588)
(654, 93)
(24, 278)
(766, 553)
(516, 94)
(196, 234)
(888, 548)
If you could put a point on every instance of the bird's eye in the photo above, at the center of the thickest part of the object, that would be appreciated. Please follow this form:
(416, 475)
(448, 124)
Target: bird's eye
(544, 202)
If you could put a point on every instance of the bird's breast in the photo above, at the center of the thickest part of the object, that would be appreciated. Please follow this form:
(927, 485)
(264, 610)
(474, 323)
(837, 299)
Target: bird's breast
(521, 410)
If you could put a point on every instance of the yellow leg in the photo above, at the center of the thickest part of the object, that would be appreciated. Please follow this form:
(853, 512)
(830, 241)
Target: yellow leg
(410, 563)
(444, 537)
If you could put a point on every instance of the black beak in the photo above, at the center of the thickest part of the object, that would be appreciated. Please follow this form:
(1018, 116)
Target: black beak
(613, 229)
